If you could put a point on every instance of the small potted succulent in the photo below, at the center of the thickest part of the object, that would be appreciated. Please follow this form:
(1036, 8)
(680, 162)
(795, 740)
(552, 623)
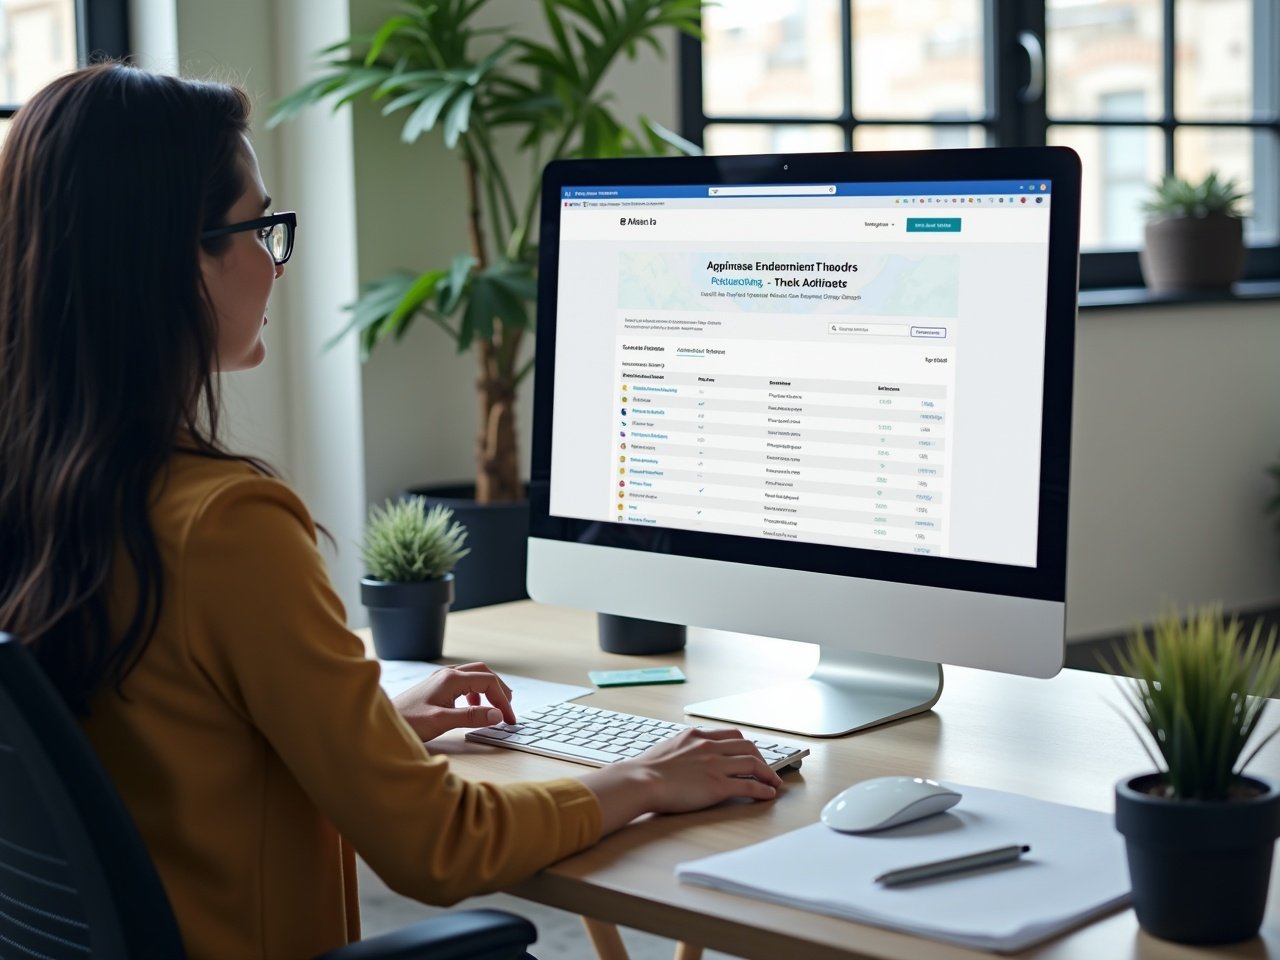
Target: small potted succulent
(409, 553)
(1194, 236)
(1200, 833)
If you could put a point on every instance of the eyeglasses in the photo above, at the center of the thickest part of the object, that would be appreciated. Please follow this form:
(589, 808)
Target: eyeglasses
(275, 231)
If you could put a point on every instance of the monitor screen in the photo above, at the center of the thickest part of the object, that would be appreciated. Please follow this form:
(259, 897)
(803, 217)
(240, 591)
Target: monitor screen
(849, 366)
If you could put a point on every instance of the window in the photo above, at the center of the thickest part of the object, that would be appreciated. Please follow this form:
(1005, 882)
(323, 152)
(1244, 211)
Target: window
(40, 39)
(1136, 87)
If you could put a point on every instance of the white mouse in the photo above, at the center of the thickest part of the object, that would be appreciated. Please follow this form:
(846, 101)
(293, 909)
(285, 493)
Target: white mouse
(886, 802)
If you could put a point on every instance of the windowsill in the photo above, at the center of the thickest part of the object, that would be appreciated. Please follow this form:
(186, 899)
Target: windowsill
(1245, 290)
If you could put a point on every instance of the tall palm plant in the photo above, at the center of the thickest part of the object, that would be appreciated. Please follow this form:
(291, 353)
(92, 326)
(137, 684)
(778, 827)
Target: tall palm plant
(431, 65)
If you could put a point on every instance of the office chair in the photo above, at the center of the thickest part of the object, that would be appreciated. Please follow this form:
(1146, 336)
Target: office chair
(76, 880)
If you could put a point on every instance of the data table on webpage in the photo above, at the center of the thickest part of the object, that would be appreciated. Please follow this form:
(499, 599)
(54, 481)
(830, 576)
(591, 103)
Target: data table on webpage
(853, 463)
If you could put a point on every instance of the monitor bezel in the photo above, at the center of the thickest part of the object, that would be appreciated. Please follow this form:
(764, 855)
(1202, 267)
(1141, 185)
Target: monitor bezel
(1060, 165)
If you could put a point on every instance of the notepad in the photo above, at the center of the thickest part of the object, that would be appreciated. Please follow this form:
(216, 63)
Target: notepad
(1076, 871)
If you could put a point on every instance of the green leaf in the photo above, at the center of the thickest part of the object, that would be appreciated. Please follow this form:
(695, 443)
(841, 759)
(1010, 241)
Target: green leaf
(458, 117)
(399, 103)
(421, 290)
(411, 79)
(425, 116)
(456, 284)
(389, 29)
(377, 300)
(477, 318)
(556, 23)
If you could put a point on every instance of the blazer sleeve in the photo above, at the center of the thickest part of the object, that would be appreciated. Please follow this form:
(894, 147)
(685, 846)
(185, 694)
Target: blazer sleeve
(265, 625)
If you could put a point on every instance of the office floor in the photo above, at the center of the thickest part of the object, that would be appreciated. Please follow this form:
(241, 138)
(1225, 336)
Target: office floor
(561, 935)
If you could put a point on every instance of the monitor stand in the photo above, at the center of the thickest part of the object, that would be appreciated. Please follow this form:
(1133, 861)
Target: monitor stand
(847, 691)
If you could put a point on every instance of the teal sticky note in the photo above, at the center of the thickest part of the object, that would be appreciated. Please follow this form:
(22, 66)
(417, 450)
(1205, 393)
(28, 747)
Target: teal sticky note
(632, 678)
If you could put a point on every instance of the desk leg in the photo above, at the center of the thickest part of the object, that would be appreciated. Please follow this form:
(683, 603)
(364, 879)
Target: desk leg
(609, 946)
(606, 939)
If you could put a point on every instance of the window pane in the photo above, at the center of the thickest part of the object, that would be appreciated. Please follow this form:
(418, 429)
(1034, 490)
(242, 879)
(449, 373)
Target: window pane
(37, 42)
(1120, 166)
(908, 65)
(780, 58)
(1241, 154)
(869, 137)
(1095, 49)
(727, 138)
(1215, 59)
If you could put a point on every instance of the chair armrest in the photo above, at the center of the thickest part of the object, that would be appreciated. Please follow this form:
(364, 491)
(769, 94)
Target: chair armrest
(464, 935)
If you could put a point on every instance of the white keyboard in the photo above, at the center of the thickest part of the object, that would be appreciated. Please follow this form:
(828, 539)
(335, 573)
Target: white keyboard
(571, 731)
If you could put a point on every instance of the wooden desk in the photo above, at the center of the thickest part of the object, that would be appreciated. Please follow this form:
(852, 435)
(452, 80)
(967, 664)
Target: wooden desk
(1055, 739)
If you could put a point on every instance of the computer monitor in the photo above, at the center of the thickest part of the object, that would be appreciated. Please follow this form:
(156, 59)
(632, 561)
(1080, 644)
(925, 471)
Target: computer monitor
(821, 397)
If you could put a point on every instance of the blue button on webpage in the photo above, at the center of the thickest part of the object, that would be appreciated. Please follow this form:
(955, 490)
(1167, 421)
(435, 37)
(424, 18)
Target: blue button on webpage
(933, 224)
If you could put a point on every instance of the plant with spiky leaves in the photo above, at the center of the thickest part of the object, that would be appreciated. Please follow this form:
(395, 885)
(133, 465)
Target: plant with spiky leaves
(1199, 689)
(1175, 196)
(404, 542)
(444, 74)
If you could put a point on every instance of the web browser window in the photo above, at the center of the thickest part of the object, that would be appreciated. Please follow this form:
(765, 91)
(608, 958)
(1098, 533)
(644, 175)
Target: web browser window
(844, 363)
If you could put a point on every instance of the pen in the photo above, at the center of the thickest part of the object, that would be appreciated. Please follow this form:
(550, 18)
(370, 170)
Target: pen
(970, 861)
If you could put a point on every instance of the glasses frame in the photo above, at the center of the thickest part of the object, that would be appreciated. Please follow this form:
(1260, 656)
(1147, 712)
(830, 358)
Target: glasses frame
(287, 217)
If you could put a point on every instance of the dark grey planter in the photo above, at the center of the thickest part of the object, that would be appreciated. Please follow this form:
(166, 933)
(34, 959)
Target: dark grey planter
(636, 637)
(498, 537)
(407, 619)
(1199, 869)
(1192, 253)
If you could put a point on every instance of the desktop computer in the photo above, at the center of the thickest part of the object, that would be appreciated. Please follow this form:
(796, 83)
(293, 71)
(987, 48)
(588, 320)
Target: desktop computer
(820, 397)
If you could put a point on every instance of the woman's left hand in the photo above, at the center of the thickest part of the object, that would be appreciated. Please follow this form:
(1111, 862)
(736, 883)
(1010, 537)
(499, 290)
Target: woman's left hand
(429, 705)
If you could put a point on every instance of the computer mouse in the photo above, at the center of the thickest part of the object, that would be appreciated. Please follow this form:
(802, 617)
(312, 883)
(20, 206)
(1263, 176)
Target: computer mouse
(886, 802)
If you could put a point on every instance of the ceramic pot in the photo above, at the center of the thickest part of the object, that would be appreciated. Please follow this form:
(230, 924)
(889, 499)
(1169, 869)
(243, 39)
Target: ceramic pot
(407, 619)
(1192, 253)
(631, 635)
(1199, 868)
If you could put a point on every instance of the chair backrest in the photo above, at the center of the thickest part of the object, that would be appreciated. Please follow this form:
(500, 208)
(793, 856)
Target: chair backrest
(76, 880)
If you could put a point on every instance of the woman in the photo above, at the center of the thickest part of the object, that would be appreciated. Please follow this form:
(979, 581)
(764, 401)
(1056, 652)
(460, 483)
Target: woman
(173, 591)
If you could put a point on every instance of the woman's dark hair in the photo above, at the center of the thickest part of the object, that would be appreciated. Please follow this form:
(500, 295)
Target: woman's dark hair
(108, 353)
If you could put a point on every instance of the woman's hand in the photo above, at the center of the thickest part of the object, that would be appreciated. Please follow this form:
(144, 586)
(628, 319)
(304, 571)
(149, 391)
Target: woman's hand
(696, 768)
(429, 705)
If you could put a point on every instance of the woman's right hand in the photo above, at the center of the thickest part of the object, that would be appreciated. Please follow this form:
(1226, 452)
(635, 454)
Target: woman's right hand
(696, 768)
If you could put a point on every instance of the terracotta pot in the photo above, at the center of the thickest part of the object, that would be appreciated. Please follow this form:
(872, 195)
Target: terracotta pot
(1193, 253)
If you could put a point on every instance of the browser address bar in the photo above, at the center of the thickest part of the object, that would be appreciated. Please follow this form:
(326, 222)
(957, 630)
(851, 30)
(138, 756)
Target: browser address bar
(799, 190)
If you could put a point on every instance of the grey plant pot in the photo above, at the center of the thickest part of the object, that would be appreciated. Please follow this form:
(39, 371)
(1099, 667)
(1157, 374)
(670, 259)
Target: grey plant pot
(408, 619)
(498, 537)
(1199, 869)
(1192, 253)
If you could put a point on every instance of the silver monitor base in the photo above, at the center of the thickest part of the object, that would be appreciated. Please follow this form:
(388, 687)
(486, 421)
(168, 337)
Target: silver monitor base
(846, 692)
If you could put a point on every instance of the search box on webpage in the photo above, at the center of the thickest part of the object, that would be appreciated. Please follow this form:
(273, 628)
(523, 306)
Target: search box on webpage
(868, 329)
(781, 190)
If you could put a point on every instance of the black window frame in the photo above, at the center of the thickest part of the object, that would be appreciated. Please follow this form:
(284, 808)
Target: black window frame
(102, 33)
(1013, 118)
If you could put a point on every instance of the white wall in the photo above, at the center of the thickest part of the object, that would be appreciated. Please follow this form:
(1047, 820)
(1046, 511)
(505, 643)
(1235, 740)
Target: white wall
(300, 410)
(1177, 408)
(1177, 414)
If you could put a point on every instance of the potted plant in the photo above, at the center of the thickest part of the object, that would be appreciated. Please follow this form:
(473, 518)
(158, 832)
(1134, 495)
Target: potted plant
(1199, 833)
(433, 69)
(1194, 236)
(409, 553)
